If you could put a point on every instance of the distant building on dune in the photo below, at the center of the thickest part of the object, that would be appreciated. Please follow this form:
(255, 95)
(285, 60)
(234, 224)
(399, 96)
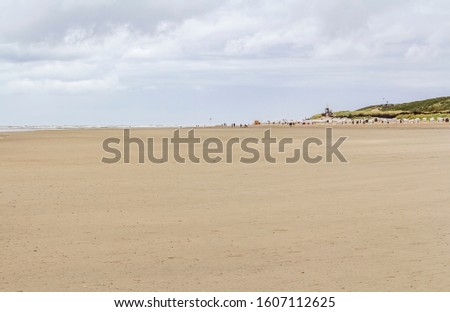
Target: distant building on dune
(328, 112)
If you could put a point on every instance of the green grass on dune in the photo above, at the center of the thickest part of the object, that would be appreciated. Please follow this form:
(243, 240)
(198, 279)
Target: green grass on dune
(437, 107)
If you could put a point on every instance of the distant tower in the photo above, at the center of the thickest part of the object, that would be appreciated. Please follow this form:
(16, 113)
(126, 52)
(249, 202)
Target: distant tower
(328, 112)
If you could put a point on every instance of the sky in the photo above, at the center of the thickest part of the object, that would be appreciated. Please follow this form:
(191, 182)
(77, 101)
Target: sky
(99, 62)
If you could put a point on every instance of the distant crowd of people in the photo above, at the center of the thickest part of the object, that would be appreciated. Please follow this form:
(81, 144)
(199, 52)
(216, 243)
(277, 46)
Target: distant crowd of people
(341, 121)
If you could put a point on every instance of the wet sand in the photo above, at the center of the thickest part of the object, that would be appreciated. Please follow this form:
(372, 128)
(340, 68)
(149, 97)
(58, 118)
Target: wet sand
(380, 222)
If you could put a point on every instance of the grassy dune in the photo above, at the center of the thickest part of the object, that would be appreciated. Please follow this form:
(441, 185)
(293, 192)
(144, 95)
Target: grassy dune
(437, 107)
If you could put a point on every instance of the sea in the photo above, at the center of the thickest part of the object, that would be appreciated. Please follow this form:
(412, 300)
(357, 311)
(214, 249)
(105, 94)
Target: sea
(72, 127)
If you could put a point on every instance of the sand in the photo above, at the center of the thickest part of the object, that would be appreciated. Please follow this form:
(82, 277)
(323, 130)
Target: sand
(380, 222)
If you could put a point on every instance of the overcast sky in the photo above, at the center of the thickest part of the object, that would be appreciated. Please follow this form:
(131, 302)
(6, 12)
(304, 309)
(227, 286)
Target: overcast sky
(183, 62)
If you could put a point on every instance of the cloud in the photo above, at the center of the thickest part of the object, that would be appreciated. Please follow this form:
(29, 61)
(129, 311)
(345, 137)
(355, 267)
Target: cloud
(56, 46)
(72, 87)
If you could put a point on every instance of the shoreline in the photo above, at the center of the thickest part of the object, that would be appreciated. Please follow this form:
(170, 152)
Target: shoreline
(428, 125)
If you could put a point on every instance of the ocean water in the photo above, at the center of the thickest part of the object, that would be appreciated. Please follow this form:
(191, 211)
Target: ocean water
(40, 128)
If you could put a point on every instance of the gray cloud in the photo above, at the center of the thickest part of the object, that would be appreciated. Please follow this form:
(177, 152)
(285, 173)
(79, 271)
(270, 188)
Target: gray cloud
(94, 46)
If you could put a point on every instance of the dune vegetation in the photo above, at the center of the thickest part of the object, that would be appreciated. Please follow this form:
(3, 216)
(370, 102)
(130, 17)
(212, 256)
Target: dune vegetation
(437, 107)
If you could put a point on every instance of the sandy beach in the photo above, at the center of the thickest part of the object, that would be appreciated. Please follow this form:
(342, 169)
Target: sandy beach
(380, 222)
